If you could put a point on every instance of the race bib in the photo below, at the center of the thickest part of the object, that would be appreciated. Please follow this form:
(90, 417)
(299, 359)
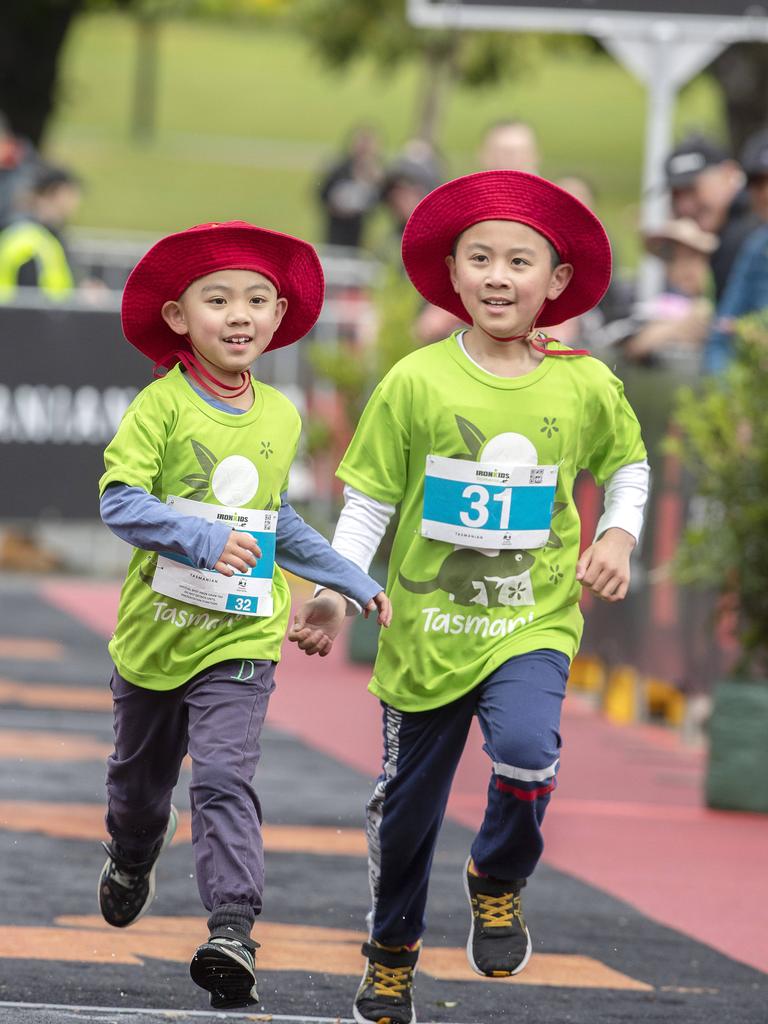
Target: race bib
(245, 593)
(485, 505)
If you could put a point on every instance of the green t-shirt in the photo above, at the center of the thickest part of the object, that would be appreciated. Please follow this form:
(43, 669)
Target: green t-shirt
(459, 613)
(171, 441)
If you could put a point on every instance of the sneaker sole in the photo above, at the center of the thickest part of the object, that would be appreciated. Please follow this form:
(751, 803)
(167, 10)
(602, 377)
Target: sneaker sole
(472, 964)
(170, 832)
(228, 979)
(358, 1017)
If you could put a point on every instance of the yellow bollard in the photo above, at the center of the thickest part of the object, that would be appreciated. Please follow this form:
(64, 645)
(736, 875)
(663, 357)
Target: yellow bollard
(621, 698)
(587, 674)
(664, 700)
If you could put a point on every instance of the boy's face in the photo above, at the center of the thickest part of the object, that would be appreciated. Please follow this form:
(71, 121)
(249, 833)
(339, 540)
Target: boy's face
(502, 271)
(230, 317)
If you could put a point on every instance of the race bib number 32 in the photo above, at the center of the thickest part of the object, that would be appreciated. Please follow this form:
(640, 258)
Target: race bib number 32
(482, 505)
(244, 593)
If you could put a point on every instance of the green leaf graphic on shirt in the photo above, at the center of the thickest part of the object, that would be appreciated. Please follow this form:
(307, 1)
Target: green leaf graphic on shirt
(200, 482)
(196, 480)
(554, 541)
(147, 569)
(473, 438)
(205, 457)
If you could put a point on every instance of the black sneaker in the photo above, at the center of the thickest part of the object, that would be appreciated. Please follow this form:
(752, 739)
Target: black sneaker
(127, 888)
(385, 995)
(226, 967)
(498, 943)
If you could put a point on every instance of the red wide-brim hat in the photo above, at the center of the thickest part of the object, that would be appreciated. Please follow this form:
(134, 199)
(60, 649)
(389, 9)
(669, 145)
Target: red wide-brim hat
(574, 231)
(171, 265)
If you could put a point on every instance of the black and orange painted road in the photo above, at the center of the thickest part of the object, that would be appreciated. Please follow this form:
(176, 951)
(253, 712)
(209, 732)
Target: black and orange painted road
(623, 931)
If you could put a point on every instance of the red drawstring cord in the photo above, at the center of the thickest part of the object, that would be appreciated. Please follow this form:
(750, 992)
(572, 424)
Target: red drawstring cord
(529, 337)
(558, 351)
(540, 348)
(196, 369)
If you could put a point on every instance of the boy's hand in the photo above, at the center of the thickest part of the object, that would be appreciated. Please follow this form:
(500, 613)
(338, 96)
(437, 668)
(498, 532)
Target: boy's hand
(317, 624)
(240, 552)
(604, 567)
(384, 605)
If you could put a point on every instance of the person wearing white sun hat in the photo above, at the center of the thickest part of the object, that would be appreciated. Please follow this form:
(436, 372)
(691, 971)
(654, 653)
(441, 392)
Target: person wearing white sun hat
(197, 471)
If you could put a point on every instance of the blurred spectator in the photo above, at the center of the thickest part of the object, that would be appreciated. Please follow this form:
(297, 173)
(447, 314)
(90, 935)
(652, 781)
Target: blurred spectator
(676, 322)
(746, 290)
(32, 250)
(509, 145)
(707, 185)
(17, 159)
(580, 188)
(414, 172)
(617, 301)
(350, 189)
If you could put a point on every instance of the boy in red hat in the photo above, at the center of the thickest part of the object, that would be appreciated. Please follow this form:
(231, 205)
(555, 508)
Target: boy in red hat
(478, 440)
(195, 480)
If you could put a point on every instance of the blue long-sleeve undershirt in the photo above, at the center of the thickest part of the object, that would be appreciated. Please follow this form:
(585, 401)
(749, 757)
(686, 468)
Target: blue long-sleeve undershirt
(142, 520)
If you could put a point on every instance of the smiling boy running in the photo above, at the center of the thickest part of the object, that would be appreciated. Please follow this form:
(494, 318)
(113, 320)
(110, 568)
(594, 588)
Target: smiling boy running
(478, 440)
(199, 467)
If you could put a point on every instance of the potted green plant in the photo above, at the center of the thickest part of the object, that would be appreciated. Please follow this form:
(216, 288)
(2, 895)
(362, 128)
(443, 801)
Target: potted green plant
(721, 435)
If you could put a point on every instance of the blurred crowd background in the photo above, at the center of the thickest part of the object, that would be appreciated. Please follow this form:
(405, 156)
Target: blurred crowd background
(121, 121)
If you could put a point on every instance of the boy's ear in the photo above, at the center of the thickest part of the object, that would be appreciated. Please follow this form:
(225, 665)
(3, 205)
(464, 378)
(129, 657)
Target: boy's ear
(281, 307)
(173, 315)
(560, 280)
(450, 262)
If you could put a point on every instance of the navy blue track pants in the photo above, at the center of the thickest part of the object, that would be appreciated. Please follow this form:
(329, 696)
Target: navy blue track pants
(518, 708)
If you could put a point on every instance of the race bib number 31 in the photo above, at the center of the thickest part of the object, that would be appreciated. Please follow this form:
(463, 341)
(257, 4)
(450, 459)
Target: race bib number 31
(244, 593)
(482, 505)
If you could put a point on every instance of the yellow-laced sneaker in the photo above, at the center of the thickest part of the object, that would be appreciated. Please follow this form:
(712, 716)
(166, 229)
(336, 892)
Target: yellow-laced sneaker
(385, 995)
(498, 943)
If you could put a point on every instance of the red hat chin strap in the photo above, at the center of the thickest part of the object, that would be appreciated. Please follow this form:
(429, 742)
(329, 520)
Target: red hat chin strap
(530, 337)
(196, 369)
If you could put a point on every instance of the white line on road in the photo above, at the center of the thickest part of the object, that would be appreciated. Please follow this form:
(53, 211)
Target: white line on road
(178, 1015)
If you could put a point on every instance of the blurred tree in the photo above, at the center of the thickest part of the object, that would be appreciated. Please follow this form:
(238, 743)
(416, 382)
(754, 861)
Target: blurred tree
(33, 33)
(342, 31)
(30, 40)
(148, 16)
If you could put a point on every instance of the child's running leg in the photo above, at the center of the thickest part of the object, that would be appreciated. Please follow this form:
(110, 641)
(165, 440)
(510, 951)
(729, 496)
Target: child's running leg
(519, 709)
(404, 815)
(227, 705)
(519, 712)
(150, 742)
(421, 752)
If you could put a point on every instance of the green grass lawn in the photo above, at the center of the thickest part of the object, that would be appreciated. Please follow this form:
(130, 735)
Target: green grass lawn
(246, 117)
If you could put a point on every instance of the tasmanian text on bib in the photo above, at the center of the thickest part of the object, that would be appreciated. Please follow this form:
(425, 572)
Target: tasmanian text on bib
(484, 505)
(244, 593)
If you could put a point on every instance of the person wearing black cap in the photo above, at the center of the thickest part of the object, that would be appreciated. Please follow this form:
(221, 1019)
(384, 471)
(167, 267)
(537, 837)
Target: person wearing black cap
(746, 290)
(707, 185)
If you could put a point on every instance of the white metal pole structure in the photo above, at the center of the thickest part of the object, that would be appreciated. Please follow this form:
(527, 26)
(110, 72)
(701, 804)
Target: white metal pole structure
(664, 43)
